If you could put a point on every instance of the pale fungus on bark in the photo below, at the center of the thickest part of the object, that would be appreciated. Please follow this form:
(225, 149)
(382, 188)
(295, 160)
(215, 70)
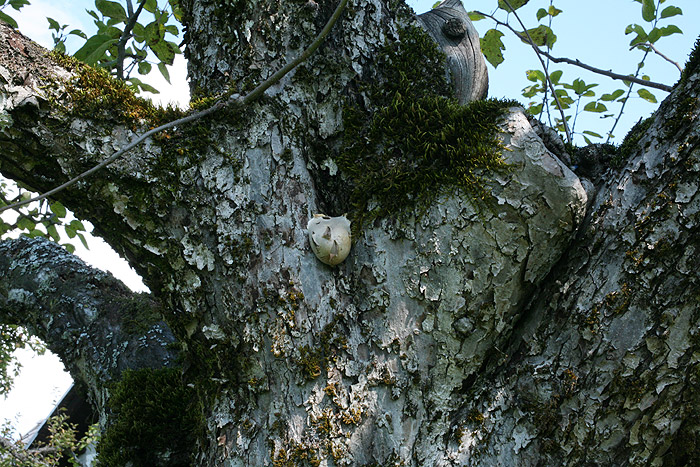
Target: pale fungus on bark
(329, 238)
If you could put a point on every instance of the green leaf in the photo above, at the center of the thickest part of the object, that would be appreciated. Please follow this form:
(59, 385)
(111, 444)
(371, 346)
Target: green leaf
(654, 35)
(8, 19)
(111, 9)
(637, 29)
(648, 10)
(164, 71)
(53, 24)
(514, 3)
(474, 16)
(531, 91)
(535, 109)
(177, 11)
(592, 133)
(596, 107)
(436, 4)
(144, 68)
(94, 49)
(647, 96)
(83, 241)
(70, 248)
(150, 6)
(53, 233)
(554, 11)
(671, 11)
(611, 97)
(555, 76)
(58, 209)
(491, 47)
(542, 36)
(17, 4)
(541, 13)
(535, 75)
(672, 29)
(26, 224)
(79, 33)
(139, 85)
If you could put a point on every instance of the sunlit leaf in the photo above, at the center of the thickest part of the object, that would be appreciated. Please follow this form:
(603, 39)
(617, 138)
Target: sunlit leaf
(474, 16)
(58, 209)
(648, 10)
(514, 3)
(671, 11)
(94, 49)
(542, 36)
(646, 95)
(111, 9)
(596, 107)
(611, 97)
(492, 47)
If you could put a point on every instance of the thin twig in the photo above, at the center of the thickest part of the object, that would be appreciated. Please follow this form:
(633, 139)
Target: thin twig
(126, 35)
(538, 52)
(650, 45)
(610, 74)
(578, 63)
(234, 99)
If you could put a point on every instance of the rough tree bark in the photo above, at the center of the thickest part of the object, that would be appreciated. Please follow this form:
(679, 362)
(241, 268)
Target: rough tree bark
(558, 325)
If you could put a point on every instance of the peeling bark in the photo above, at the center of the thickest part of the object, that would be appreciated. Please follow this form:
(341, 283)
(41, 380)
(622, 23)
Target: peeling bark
(532, 332)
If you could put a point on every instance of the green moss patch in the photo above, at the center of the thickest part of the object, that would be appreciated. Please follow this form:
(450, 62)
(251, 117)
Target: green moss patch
(417, 143)
(153, 420)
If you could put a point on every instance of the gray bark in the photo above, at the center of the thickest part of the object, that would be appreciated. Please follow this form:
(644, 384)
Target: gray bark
(449, 25)
(541, 331)
(91, 320)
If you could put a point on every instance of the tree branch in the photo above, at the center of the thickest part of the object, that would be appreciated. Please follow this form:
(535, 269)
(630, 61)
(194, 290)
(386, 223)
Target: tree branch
(231, 100)
(82, 314)
(578, 63)
(121, 45)
(544, 67)
(651, 46)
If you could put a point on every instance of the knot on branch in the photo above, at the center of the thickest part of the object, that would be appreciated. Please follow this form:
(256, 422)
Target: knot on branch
(449, 25)
(454, 28)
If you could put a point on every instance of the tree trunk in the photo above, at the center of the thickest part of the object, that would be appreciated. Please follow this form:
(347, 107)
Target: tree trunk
(527, 321)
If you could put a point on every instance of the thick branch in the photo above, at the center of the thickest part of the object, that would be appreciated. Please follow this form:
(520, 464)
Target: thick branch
(91, 320)
(229, 101)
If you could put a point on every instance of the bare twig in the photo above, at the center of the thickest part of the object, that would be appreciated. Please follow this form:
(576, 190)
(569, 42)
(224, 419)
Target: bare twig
(232, 100)
(578, 63)
(651, 46)
(538, 52)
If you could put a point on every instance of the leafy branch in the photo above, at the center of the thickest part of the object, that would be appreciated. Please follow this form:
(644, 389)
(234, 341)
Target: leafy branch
(543, 37)
(544, 67)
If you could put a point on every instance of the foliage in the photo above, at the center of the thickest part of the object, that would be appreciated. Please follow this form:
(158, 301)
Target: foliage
(574, 95)
(62, 449)
(152, 416)
(12, 338)
(16, 4)
(122, 43)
